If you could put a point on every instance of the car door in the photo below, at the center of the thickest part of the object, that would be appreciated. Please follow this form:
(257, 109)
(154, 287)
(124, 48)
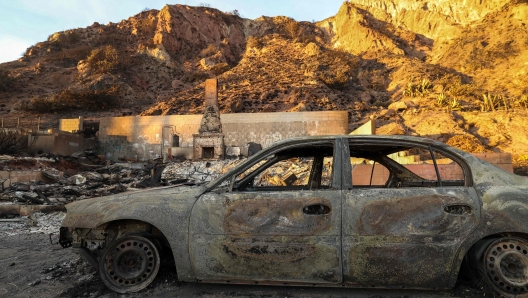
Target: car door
(403, 226)
(279, 221)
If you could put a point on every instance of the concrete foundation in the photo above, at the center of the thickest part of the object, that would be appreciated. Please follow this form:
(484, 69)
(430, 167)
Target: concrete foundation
(9, 177)
(41, 143)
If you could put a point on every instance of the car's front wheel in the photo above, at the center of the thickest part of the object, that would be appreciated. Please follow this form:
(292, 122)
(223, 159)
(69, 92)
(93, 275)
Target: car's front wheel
(130, 263)
(505, 266)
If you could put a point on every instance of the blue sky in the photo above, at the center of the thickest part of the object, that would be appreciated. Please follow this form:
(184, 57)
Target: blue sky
(26, 22)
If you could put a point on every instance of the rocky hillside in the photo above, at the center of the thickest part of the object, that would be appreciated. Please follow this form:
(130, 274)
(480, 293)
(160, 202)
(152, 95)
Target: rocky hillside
(437, 20)
(449, 70)
(141, 56)
(493, 51)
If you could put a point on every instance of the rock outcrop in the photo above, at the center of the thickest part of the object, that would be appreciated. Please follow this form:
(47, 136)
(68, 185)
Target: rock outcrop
(357, 32)
(435, 19)
(493, 51)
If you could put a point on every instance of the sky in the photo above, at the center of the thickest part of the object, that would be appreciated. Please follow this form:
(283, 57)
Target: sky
(25, 22)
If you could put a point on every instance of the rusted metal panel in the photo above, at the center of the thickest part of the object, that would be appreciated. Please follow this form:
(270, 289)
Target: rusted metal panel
(83, 220)
(397, 265)
(286, 258)
(504, 200)
(405, 237)
(415, 215)
(274, 217)
(168, 209)
(267, 236)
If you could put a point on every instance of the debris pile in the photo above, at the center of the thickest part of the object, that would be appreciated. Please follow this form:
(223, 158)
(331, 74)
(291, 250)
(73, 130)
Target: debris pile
(54, 180)
(197, 171)
(286, 173)
(293, 172)
(48, 185)
(34, 223)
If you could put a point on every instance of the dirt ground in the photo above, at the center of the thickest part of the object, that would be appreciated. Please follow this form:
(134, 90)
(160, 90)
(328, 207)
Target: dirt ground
(30, 266)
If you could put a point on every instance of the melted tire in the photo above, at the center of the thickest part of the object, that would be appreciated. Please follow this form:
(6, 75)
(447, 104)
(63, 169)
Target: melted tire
(130, 263)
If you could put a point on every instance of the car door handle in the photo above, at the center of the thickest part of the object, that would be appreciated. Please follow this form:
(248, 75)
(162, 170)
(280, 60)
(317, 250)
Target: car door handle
(316, 209)
(459, 209)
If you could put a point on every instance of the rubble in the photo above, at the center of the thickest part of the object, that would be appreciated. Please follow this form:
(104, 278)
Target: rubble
(67, 179)
(35, 223)
(197, 171)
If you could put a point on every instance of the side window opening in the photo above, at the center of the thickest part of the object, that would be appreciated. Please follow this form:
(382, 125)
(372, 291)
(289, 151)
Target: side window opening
(288, 172)
(420, 167)
(254, 167)
(308, 167)
(450, 171)
(399, 166)
(326, 177)
(368, 173)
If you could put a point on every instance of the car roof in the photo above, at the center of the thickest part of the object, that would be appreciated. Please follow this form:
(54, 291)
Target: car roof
(379, 137)
(308, 139)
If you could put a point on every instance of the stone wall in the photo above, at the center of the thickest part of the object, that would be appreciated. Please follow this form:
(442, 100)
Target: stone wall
(41, 143)
(501, 160)
(267, 128)
(66, 143)
(212, 141)
(140, 137)
(71, 125)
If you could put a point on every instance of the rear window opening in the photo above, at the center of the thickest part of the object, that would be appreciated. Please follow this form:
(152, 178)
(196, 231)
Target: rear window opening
(392, 166)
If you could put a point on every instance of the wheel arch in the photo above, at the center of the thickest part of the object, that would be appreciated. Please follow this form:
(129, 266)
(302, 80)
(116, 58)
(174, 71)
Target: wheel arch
(127, 226)
(134, 226)
(477, 248)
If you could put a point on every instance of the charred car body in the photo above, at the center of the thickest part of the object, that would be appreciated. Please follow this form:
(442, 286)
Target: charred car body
(358, 211)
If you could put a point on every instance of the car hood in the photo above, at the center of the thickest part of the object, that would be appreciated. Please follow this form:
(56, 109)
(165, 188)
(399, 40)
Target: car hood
(93, 212)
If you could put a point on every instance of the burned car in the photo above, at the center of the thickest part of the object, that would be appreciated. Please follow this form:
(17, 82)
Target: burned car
(356, 211)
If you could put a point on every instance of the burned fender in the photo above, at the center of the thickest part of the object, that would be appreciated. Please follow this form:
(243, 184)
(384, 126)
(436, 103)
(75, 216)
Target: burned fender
(167, 209)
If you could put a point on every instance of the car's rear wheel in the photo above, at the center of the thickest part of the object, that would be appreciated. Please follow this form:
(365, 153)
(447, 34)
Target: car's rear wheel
(130, 263)
(505, 266)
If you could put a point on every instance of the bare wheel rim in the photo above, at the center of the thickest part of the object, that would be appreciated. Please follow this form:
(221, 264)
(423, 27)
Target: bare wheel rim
(130, 264)
(506, 263)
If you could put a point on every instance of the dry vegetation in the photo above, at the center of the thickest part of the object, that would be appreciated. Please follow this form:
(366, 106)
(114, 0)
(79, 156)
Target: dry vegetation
(68, 100)
(254, 42)
(346, 70)
(12, 142)
(520, 164)
(5, 80)
(103, 60)
(68, 57)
